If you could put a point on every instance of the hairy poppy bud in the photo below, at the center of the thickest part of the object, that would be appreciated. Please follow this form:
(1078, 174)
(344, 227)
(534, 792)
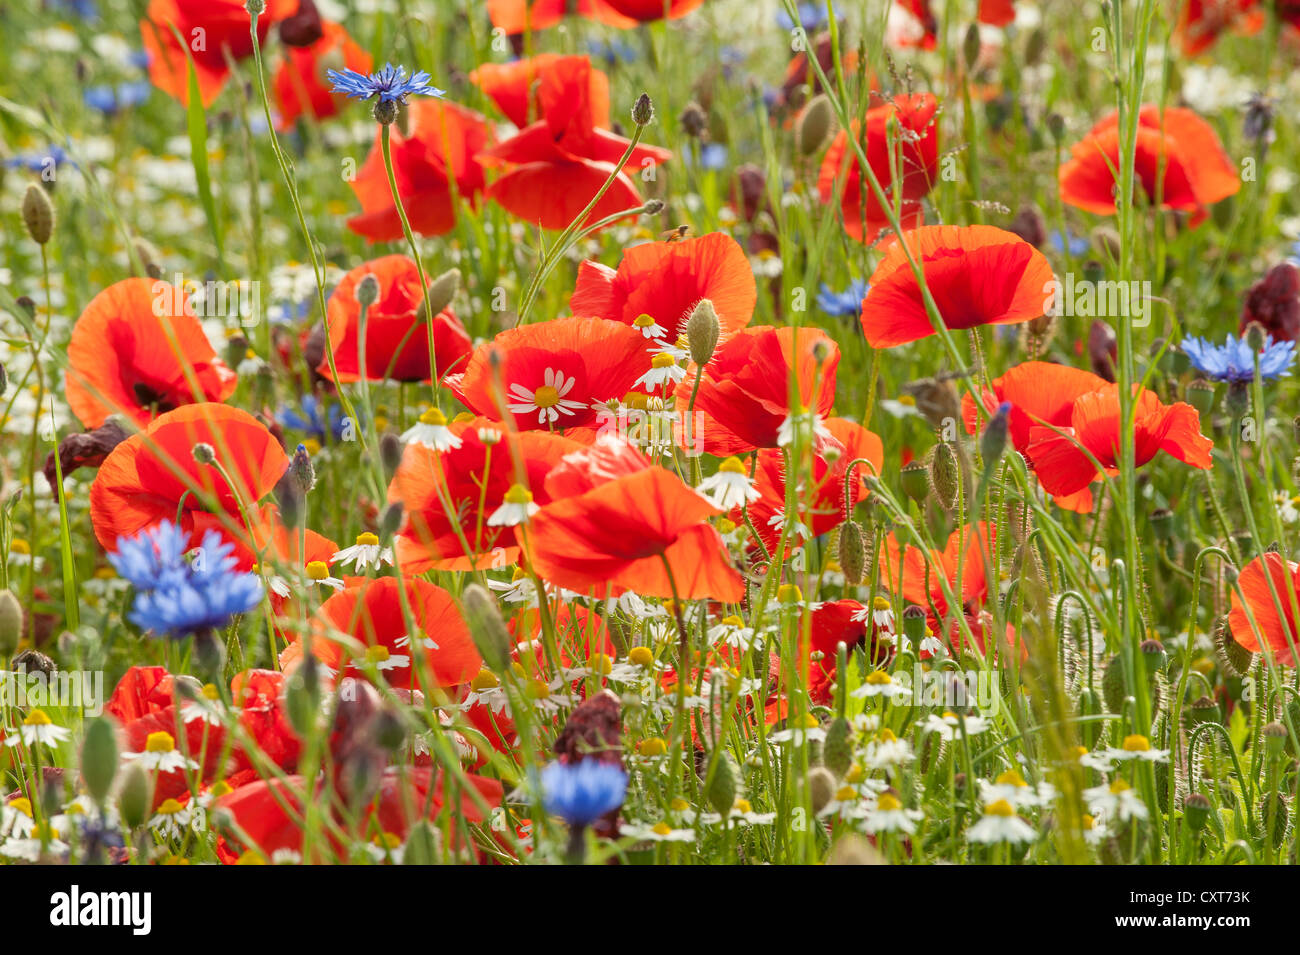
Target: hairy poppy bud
(816, 123)
(1235, 659)
(852, 552)
(914, 623)
(486, 627)
(722, 789)
(442, 290)
(944, 474)
(994, 440)
(837, 753)
(367, 291)
(390, 452)
(702, 332)
(391, 520)
(1256, 336)
(99, 758)
(1196, 809)
(135, 795)
(970, 46)
(38, 214)
(821, 788)
(11, 623)
(1162, 523)
(204, 453)
(643, 110)
(694, 120)
(1200, 395)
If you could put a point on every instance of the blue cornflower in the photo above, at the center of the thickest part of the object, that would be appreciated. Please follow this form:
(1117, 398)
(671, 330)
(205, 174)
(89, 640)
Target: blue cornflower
(712, 156)
(43, 163)
(842, 304)
(309, 418)
(1077, 244)
(812, 16)
(1234, 360)
(112, 100)
(176, 596)
(580, 793)
(612, 51)
(390, 84)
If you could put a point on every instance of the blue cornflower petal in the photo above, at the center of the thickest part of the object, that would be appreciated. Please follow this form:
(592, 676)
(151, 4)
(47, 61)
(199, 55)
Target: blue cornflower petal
(580, 793)
(1234, 360)
(390, 84)
(842, 304)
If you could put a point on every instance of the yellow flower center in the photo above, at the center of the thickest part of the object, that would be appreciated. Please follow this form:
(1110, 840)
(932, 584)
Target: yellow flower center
(855, 774)
(654, 746)
(663, 360)
(600, 663)
(210, 692)
(251, 857)
(221, 788)
(312, 446)
(518, 494)
(886, 736)
(643, 321)
(1010, 778)
(1136, 744)
(37, 718)
(546, 397)
(318, 570)
(435, 417)
(538, 690)
(881, 603)
(484, 680)
(1000, 808)
(661, 829)
(367, 540)
(949, 715)
(731, 620)
(641, 656)
(1088, 821)
(888, 803)
(879, 678)
(845, 793)
(726, 526)
(169, 807)
(789, 593)
(377, 654)
(19, 546)
(1119, 786)
(22, 804)
(732, 465)
(808, 721)
(387, 840)
(742, 806)
(463, 417)
(159, 742)
(679, 804)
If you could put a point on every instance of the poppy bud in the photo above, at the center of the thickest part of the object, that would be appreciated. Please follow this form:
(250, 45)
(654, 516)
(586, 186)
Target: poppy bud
(367, 291)
(204, 453)
(643, 110)
(816, 123)
(486, 627)
(302, 696)
(390, 452)
(390, 730)
(837, 753)
(1273, 817)
(11, 623)
(391, 520)
(994, 440)
(99, 758)
(694, 120)
(1162, 523)
(852, 552)
(1153, 656)
(1200, 395)
(1235, 659)
(821, 788)
(1196, 809)
(442, 290)
(944, 474)
(134, 797)
(208, 655)
(1114, 687)
(970, 47)
(38, 214)
(653, 207)
(1056, 126)
(1035, 46)
(915, 478)
(702, 332)
(722, 788)
(1030, 225)
(255, 7)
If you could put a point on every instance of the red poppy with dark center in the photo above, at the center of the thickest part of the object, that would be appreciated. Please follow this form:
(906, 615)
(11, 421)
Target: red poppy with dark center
(434, 163)
(373, 612)
(1260, 609)
(910, 155)
(516, 16)
(556, 166)
(138, 350)
(301, 84)
(152, 476)
(211, 30)
(1065, 470)
(1179, 157)
(665, 281)
(1200, 22)
(447, 494)
(616, 522)
(744, 394)
(977, 275)
(821, 501)
(553, 375)
(397, 341)
(514, 86)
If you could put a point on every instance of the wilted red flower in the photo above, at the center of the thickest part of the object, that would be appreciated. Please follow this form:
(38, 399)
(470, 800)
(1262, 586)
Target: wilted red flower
(153, 476)
(556, 375)
(135, 350)
(1065, 470)
(1201, 21)
(744, 394)
(373, 612)
(1274, 302)
(301, 85)
(211, 30)
(666, 280)
(978, 275)
(616, 522)
(822, 505)
(433, 162)
(397, 341)
(913, 153)
(1179, 157)
(1279, 632)
(555, 166)
(447, 494)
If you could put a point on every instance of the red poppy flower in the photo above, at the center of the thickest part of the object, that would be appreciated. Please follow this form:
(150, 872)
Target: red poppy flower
(666, 280)
(1201, 21)
(555, 374)
(373, 612)
(643, 11)
(301, 85)
(978, 275)
(821, 501)
(397, 341)
(996, 13)
(134, 351)
(913, 153)
(152, 475)
(513, 86)
(434, 162)
(212, 30)
(516, 16)
(447, 494)
(555, 166)
(615, 519)
(744, 396)
(1179, 156)
(1066, 471)
(1259, 605)
(912, 23)
(268, 813)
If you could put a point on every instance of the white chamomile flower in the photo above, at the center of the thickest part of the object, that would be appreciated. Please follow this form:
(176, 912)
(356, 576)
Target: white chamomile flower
(43, 839)
(1093, 831)
(799, 730)
(385, 847)
(1011, 787)
(890, 816)
(431, 430)
(880, 683)
(381, 658)
(171, 819)
(16, 819)
(486, 688)
(810, 424)
(319, 572)
(948, 726)
(1001, 824)
(38, 728)
(489, 436)
(517, 506)
(659, 832)
(648, 327)
(207, 707)
(731, 631)
(730, 487)
(548, 401)
(1118, 801)
(1137, 748)
(664, 371)
(886, 751)
(365, 553)
(160, 754)
(880, 613)
(742, 814)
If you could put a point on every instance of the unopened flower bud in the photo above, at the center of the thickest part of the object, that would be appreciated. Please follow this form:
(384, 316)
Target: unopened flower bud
(367, 290)
(944, 474)
(852, 552)
(442, 290)
(38, 214)
(11, 623)
(204, 453)
(816, 123)
(486, 627)
(915, 478)
(643, 110)
(702, 332)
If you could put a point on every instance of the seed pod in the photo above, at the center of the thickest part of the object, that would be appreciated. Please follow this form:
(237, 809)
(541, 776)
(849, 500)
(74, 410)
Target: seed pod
(99, 758)
(702, 332)
(837, 753)
(423, 845)
(442, 290)
(134, 797)
(915, 479)
(1196, 809)
(1114, 687)
(486, 627)
(38, 214)
(852, 552)
(722, 789)
(945, 476)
